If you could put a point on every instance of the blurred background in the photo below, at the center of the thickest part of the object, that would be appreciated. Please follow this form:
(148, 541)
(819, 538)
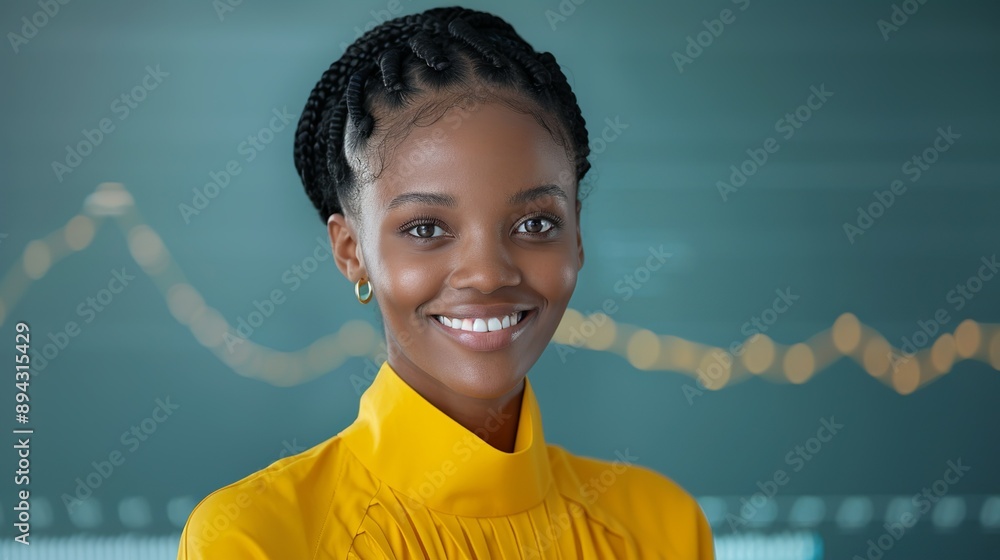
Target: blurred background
(790, 304)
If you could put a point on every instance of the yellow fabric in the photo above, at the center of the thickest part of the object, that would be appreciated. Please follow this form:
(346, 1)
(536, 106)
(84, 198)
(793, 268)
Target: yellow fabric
(404, 480)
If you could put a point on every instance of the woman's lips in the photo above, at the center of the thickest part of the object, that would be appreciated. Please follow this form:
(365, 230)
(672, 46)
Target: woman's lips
(491, 340)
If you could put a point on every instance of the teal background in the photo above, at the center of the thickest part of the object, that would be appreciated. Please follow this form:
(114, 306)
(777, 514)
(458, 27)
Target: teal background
(654, 184)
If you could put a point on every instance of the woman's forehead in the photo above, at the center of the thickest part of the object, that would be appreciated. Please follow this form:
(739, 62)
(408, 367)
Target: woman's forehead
(493, 149)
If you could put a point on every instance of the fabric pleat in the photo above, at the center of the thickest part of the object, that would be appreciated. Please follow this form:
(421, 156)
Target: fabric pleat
(395, 529)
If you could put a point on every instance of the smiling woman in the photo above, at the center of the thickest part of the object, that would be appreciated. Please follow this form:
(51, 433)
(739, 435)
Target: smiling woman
(444, 154)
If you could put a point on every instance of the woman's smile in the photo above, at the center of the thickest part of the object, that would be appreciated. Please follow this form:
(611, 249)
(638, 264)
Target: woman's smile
(485, 332)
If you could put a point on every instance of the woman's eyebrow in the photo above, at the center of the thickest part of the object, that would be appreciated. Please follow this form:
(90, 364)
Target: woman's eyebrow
(438, 199)
(428, 198)
(541, 191)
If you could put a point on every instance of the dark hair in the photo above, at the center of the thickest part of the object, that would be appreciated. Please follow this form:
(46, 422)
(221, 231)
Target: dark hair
(442, 50)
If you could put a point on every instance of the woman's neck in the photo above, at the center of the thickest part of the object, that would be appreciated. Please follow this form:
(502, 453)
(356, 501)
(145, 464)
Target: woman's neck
(494, 420)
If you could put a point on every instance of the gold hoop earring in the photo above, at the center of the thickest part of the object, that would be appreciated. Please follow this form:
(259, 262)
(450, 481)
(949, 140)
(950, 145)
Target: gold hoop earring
(357, 290)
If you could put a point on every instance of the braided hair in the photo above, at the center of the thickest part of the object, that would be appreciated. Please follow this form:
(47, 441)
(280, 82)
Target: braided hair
(445, 51)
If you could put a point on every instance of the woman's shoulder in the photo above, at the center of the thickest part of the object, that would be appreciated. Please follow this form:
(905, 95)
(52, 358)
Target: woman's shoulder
(650, 504)
(270, 510)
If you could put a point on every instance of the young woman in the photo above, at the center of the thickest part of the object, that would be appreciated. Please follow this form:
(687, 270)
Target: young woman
(444, 154)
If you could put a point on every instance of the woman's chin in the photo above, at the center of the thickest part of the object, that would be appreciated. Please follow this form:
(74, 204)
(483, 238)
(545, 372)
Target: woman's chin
(486, 381)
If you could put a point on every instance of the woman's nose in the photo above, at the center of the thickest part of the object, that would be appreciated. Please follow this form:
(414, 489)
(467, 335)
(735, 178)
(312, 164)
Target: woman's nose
(485, 263)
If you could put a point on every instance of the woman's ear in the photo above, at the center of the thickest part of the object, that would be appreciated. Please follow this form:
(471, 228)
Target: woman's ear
(579, 238)
(345, 242)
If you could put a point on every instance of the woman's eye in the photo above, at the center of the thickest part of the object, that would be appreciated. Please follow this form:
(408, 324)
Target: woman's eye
(425, 231)
(535, 225)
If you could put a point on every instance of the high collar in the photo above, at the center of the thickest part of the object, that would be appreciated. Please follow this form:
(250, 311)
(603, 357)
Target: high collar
(425, 455)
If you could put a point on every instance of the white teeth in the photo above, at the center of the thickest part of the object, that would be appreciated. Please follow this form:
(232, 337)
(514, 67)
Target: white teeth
(474, 324)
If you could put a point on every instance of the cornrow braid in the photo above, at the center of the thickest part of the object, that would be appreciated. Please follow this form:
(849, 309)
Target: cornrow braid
(431, 53)
(462, 30)
(443, 51)
(389, 63)
(355, 103)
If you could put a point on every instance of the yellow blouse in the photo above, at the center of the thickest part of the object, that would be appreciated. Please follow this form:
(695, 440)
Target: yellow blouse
(404, 480)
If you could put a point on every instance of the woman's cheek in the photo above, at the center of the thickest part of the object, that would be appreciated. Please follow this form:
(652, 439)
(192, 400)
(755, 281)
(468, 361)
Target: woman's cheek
(416, 280)
(406, 290)
(555, 276)
(411, 283)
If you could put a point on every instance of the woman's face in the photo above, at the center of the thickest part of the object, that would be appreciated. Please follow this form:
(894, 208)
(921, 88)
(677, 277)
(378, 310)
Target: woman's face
(474, 218)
